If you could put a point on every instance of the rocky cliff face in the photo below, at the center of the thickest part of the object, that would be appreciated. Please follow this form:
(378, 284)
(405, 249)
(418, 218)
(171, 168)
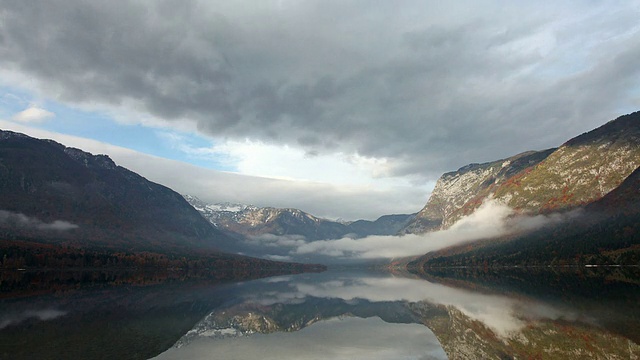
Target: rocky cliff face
(466, 188)
(579, 172)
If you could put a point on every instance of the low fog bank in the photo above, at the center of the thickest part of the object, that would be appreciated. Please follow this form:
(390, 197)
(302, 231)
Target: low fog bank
(491, 220)
(42, 315)
(12, 219)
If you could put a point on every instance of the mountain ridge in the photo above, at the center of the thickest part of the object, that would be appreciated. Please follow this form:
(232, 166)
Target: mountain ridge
(605, 232)
(457, 189)
(580, 171)
(251, 221)
(43, 181)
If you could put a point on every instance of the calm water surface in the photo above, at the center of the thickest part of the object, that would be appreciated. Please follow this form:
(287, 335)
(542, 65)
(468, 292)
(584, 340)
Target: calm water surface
(332, 315)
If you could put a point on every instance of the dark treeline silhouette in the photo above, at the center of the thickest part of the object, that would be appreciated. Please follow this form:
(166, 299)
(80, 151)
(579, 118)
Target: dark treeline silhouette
(26, 255)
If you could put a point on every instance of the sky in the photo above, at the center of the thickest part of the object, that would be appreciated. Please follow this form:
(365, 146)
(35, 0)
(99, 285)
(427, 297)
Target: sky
(344, 109)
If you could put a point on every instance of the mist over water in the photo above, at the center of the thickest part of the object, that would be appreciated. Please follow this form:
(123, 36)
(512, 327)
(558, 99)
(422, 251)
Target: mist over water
(20, 220)
(491, 220)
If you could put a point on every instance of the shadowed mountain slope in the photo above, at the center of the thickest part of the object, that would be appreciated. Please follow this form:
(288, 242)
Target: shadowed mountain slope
(52, 193)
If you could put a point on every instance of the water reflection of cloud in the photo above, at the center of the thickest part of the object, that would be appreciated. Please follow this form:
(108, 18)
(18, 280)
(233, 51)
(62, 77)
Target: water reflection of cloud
(495, 311)
(502, 314)
(345, 338)
(42, 315)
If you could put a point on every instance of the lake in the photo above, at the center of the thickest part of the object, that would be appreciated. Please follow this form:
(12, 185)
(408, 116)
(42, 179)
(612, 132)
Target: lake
(338, 314)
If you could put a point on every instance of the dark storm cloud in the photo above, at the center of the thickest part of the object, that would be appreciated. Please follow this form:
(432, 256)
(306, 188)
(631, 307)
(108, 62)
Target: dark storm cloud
(432, 87)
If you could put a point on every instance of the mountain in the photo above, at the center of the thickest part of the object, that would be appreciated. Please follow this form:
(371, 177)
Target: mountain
(249, 220)
(607, 232)
(457, 191)
(579, 172)
(464, 337)
(56, 194)
(220, 214)
(519, 314)
(384, 225)
(248, 318)
(607, 298)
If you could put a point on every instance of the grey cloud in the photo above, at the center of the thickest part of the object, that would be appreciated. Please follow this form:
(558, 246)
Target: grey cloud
(431, 87)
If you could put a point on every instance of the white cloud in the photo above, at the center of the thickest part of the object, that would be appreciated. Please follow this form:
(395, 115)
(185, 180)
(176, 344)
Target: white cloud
(257, 158)
(490, 220)
(293, 163)
(278, 258)
(33, 114)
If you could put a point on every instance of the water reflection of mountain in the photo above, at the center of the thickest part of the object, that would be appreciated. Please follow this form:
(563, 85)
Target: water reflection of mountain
(361, 325)
(467, 323)
(468, 314)
(249, 318)
(610, 295)
(105, 316)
